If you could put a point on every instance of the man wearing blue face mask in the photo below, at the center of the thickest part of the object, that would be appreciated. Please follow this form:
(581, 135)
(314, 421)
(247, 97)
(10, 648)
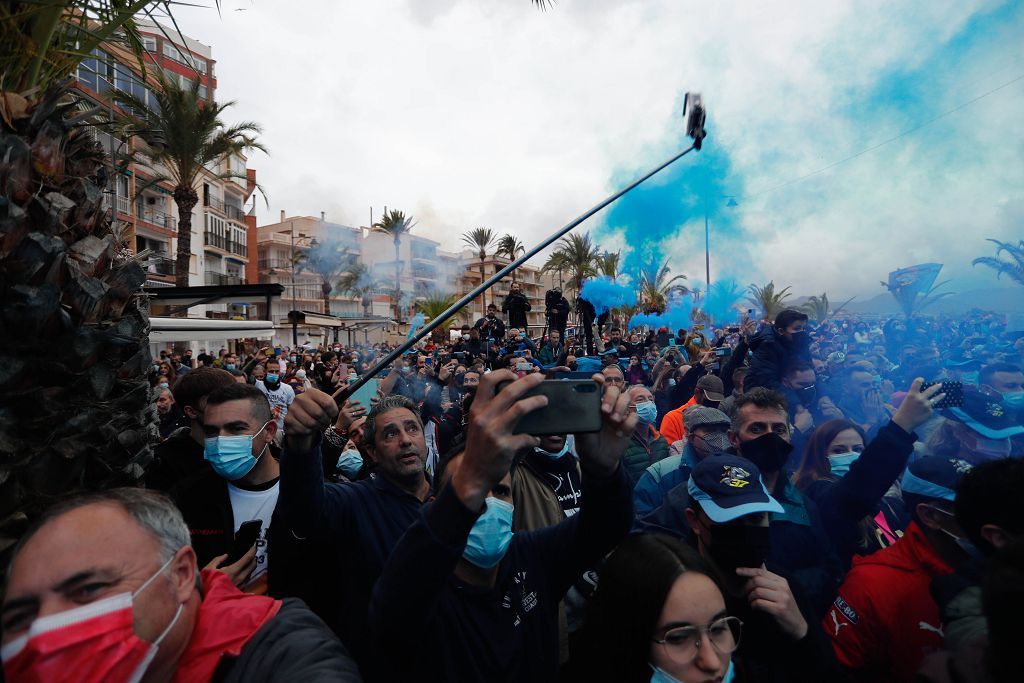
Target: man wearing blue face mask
(240, 486)
(484, 603)
(646, 445)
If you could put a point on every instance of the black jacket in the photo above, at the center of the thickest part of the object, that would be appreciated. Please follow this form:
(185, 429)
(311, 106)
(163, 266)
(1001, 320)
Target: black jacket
(351, 529)
(771, 354)
(491, 328)
(455, 632)
(516, 306)
(844, 502)
(175, 459)
(293, 646)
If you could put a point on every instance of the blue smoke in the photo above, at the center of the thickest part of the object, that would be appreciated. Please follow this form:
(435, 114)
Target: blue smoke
(605, 294)
(722, 302)
(677, 316)
(415, 324)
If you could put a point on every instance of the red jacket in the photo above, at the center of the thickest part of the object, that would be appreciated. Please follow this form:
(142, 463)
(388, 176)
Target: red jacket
(884, 621)
(672, 424)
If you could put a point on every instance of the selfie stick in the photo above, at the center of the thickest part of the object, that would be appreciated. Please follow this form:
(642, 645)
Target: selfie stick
(695, 129)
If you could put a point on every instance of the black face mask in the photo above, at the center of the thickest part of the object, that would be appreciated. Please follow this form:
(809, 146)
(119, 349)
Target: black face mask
(802, 338)
(735, 546)
(769, 452)
(806, 395)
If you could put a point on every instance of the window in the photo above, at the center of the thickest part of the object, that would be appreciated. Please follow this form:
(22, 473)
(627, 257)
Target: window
(87, 75)
(172, 52)
(202, 92)
(149, 42)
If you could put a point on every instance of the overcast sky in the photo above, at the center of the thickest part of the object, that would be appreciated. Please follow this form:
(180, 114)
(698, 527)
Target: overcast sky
(492, 113)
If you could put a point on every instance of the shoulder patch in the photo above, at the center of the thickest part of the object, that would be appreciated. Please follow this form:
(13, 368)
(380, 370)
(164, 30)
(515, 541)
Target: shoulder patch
(846, 610)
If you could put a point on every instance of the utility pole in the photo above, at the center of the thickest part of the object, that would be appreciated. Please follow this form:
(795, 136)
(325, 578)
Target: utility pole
(295, 313)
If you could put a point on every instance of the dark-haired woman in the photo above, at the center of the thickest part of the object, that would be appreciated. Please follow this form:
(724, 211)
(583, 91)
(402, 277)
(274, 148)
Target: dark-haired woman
(847, 480)
(657, 616)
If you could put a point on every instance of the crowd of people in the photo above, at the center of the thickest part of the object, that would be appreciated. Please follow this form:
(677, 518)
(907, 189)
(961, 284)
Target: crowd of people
(779, 500)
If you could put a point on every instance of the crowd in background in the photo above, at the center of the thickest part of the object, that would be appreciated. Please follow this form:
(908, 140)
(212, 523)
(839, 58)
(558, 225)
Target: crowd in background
(778, 500)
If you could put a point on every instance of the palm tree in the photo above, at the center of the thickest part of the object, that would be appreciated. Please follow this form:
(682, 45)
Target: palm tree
(656, 287)
(1013, 267)
(434, 305)
(607, 264)
(357, 281)
(767, 299)
(577, 254)
(511, 247)
(819, 309)
(78, 418)
(184, 137)
(395, 224)
(480, 239)
(326, 260)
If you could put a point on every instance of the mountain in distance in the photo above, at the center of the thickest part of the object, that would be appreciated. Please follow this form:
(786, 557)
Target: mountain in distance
(995, 299)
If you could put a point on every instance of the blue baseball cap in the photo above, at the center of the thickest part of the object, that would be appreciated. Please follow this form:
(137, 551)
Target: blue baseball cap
(934, 476)
(728, 487)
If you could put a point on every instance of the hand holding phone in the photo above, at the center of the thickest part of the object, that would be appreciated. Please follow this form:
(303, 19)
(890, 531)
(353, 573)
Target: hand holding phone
(245, 538)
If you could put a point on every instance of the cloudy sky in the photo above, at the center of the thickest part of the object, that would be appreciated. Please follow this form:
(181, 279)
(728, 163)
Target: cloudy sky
(850, 134)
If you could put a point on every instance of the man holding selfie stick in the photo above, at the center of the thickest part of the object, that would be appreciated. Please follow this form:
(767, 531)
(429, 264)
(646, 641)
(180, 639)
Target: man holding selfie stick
(484, 604)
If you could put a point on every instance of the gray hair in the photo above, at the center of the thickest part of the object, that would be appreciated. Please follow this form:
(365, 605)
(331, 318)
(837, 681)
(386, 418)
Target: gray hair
(153, 511)
(385, 405)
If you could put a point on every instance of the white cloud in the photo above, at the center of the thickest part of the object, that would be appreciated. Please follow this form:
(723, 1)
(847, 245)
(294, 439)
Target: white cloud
(471, 113)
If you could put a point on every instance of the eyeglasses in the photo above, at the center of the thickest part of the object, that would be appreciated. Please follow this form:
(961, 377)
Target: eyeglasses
(682, 644)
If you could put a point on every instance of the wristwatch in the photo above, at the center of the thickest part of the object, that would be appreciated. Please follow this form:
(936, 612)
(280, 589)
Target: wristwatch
(336, 438)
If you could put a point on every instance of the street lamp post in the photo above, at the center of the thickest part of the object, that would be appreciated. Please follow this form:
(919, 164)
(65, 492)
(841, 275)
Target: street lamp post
(295, 313)
(707, 241)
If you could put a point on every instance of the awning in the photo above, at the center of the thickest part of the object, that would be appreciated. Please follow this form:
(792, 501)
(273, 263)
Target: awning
(207, 329)
(337, 322)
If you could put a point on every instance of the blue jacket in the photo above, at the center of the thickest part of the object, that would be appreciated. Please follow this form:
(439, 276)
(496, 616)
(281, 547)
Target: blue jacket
(353, 527)
(451, 631)
(660, 478)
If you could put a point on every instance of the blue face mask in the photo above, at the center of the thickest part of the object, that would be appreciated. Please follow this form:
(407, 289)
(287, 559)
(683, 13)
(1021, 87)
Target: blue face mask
(230, 366)
(840, 462)
(489, 538)
(231, 456)
(671, 381)
(647, 412)
(970, 377)
(273, 377)
(349, 463)
(662, 676)
(1014, 400)
(558, 454)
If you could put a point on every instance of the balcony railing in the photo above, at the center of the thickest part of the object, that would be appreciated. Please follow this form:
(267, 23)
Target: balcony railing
(214, 202)
(155, 217)
(213, 278)
(238, 248)
(277, 264)
(214, 240)
(235, 213)
(161, 265)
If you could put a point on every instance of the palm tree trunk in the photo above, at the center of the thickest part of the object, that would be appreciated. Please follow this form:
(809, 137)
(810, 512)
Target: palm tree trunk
(483, 294)
(398, 282)
(186, 198)
(325, 289)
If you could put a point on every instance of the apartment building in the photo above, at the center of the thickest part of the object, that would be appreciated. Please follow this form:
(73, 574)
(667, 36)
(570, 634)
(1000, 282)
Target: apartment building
(148, 218)
(425, 269)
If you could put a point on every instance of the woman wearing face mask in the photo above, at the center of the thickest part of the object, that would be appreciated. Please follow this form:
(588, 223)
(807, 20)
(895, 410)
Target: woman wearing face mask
(646, 445)
(657, 616)
(847, 480)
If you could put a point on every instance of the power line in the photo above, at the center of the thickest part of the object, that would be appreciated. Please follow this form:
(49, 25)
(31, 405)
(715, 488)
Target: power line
(888, 140)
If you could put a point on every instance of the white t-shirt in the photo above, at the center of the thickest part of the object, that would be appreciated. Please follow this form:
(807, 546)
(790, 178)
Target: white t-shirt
(280, 399)
(250, 505)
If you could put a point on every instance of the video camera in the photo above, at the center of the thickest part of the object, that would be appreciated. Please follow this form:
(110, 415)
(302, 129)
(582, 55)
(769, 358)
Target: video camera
(551, 298)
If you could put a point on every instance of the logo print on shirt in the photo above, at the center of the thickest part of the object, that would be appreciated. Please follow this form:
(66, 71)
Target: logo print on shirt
(847, 611)
(925, 626)
(835, 620)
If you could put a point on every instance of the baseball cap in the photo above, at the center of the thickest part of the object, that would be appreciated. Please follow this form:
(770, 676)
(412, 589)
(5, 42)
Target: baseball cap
(934, 476)
(728, 487)
(712, 386)
(697, 416)
(985, 413)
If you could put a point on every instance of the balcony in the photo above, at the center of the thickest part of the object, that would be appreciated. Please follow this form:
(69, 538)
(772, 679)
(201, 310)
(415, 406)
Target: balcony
(161, 265)
(213, 278)
(274, 264)
(238, 249)
(234, 213)
(155, 217)
(214, 202)
(212, 239)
